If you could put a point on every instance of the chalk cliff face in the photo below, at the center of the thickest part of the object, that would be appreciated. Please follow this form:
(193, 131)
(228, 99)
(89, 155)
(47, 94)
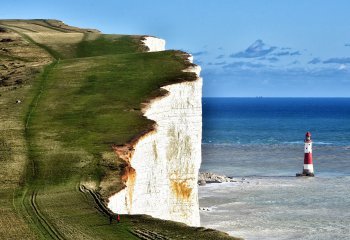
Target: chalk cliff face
(154, 44)
(164, 164)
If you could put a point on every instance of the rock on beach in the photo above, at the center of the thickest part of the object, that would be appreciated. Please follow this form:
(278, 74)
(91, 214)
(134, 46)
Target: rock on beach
(207, 177)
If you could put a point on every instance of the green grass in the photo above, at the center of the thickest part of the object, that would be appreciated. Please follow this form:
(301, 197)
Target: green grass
(99, 105)
(60, 158)
(109, 44)
(14, 223)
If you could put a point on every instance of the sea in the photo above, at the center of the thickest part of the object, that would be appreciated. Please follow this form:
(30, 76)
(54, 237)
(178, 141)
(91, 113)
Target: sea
(260, 143)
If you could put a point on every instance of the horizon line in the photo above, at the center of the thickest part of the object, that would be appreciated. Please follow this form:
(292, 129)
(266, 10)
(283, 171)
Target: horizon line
(271, 97)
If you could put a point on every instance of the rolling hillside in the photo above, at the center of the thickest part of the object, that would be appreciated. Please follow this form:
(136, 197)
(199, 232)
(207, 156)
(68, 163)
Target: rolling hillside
(67, 96)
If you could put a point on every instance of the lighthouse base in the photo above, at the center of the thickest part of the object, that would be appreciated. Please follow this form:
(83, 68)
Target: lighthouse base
(305, 174)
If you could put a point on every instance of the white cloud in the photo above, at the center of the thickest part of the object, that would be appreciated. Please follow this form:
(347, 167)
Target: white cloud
(342, 67)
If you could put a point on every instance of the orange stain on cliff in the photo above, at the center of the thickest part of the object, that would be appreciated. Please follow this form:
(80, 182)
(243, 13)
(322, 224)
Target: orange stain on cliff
(128, 177)
(181, 189)
(131, 184)
(125, 152)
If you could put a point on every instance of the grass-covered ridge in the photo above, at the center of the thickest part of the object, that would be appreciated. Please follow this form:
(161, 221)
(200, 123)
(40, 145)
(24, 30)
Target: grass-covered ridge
(86, 98)
(109, 44)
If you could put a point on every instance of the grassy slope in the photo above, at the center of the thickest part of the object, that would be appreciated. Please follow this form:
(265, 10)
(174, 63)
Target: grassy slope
(79, 107)
(13, 157)
(13, 148)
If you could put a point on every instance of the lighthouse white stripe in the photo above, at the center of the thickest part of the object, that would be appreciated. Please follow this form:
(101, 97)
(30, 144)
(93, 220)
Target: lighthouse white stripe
(308, 148)
(309, 167)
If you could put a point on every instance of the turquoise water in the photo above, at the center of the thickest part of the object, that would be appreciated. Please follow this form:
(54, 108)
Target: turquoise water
(260, 140)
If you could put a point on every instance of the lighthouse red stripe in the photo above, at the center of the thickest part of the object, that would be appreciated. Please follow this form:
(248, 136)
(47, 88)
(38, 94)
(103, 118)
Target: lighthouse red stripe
(308, 158)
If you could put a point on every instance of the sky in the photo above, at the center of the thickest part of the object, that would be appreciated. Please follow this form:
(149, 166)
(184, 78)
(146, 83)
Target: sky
(246, 48)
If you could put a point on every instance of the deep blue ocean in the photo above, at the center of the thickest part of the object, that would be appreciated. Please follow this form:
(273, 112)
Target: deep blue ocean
(259, 142)
(276, 120)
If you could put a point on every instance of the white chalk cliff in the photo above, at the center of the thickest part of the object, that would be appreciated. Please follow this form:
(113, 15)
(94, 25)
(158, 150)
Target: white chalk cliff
(154, 44)
(166, 161)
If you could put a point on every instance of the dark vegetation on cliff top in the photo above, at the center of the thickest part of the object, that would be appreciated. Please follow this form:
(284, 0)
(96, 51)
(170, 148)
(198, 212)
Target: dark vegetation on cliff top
(79, 92)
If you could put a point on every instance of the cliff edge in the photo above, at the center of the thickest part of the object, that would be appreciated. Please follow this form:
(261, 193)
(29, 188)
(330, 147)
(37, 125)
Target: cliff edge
(164, 162)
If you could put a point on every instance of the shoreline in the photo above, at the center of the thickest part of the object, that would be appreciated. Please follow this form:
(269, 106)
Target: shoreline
(245, 207)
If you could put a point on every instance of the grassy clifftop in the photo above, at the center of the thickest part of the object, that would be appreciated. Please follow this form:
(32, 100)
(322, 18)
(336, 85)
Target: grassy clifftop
(80, 92)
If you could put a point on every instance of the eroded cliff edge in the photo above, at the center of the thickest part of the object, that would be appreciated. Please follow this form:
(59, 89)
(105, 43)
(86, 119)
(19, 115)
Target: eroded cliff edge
(163, 164)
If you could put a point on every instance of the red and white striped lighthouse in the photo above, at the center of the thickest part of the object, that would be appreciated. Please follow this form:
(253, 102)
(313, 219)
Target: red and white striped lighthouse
(308, 165)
